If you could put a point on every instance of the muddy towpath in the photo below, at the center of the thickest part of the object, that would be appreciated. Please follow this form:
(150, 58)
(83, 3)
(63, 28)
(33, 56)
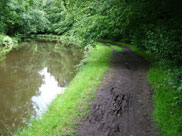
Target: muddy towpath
(123, 103)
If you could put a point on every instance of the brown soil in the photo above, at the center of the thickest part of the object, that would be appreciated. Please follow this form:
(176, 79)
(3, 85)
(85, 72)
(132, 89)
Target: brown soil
(123, 103)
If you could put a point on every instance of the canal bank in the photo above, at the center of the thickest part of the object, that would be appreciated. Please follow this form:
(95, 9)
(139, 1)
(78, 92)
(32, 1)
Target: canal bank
(66, 111)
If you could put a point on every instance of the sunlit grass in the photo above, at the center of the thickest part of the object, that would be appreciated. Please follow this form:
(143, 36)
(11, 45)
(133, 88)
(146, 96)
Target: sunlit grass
(139, 51)
(68, 109)
(117, 48)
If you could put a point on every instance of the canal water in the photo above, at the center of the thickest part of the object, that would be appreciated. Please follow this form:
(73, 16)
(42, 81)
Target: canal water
(30, 78)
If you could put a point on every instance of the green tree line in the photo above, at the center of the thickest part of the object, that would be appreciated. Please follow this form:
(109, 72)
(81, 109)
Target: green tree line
(150, 24)
(153, 25)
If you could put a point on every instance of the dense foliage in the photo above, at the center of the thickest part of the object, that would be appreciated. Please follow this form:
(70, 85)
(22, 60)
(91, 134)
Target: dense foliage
(154, 25)
(149, 24)
(18, 16)
(60, 20)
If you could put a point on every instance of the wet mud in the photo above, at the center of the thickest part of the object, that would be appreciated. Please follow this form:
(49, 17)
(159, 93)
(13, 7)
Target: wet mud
(123, 103)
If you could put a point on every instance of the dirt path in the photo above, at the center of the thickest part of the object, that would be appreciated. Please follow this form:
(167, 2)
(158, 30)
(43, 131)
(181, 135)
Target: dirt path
(123, 104)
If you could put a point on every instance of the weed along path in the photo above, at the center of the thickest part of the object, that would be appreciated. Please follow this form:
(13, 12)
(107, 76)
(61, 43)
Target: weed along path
(123, 103)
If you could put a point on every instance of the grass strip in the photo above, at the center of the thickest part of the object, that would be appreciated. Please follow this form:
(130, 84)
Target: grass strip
(66, 111)
(118, 49)
(167, 115)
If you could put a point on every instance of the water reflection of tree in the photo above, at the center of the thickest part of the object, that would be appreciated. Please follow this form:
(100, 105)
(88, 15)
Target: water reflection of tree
(17, 87)
(62, 64)
(20, 79)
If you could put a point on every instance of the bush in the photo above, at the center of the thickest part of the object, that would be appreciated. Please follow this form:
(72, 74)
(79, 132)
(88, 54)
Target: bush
(7, 41)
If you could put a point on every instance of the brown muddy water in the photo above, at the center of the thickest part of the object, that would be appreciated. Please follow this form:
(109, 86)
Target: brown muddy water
(30, 78)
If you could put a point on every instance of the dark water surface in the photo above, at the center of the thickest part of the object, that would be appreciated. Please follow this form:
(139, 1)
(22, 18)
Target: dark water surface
(30, 78)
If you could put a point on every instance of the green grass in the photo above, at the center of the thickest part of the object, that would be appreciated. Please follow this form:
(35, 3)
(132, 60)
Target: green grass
(139, 51)
(118, 49)
(167, 115)
(67, 110)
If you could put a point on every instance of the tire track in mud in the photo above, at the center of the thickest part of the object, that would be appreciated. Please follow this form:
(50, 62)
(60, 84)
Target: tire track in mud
(123, 103)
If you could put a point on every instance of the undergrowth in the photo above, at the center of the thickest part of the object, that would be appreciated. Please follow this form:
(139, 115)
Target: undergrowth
(167, 113)
(66, 111)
